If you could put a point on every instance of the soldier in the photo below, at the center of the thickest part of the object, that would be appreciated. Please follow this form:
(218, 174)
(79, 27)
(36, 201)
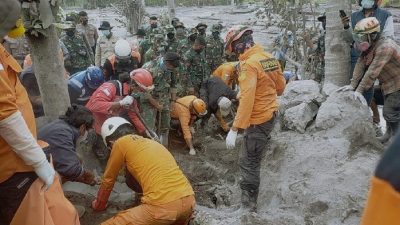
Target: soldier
(17, 47)
(157, 49)
(153, 24)
(174, 22)
(172, 42)
(81, 55)
(201, 28)
(180, 31)
(196, 66)
(88, 30)
(105, 44)
(215, 48)
(187, 43)
(164, 78)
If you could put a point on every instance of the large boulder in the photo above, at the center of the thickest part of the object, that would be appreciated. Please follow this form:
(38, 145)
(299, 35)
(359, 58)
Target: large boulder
(302, 91)
(299, 117)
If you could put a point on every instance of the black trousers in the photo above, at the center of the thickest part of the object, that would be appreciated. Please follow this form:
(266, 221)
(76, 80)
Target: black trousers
(12, 192)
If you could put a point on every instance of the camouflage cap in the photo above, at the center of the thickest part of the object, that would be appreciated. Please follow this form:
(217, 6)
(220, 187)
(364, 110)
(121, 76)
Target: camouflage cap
(201, 26)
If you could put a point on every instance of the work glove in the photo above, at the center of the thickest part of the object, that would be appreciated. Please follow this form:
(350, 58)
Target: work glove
(345, 88)
(358, 96)
(46, 173)
(100, 203)
(127, 101)
(231, 139)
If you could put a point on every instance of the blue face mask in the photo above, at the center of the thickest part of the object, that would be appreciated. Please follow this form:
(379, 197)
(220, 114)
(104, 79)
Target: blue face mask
(367, 4)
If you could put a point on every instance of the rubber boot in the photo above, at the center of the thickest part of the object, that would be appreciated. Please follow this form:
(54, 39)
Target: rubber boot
(253, 201)
(249, 201)
(387, 135)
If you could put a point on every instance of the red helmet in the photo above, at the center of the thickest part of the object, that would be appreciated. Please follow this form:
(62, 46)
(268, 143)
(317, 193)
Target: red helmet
(234, 34)
(143, 79)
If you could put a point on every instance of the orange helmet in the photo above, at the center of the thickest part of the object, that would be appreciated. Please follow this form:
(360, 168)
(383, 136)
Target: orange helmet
(200, 107)
(234, 34)
(143, 79)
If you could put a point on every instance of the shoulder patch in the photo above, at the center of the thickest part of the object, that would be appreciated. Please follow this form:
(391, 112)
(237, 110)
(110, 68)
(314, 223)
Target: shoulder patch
(269, 65)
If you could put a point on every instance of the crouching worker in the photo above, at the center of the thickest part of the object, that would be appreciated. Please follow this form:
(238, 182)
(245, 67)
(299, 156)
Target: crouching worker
(168, 197)
(30, 192)
(187, 110)
(62, 135)
(217, 95)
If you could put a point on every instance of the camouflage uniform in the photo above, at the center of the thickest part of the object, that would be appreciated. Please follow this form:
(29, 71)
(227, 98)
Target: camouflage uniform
(214, 48)
(81, 55)
(185, 44)
(147, 110)
(164, 84)
(156, 50)
(172, 44)
(197, 69)
(90, 33)
(144, 46)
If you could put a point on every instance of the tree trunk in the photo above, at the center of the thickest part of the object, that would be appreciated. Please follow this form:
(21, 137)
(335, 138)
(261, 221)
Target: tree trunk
(171, 9)
(337, 50)
(49, 72)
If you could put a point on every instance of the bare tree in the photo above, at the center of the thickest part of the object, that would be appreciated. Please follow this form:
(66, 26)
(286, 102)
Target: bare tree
(337, 51)
(134, 12)
(171, 9)
(45, 53)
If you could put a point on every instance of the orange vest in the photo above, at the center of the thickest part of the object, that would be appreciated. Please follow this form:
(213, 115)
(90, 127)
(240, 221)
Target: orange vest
(13, 98)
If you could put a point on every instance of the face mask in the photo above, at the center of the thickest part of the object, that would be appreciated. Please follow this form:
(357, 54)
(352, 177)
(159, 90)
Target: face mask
(367, 4)
(106, 33)
(70, 32)
(153, 25)
(362, 47)
(170, 36)
(215, 34)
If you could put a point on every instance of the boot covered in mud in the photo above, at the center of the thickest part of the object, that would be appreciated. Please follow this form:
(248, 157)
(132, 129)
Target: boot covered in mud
(388, 134)
(249, 201)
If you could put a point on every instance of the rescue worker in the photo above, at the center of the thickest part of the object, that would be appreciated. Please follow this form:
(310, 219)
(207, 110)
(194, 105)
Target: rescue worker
(153, 24)
(63, 135)
(168, 198)
(185, 44)
(227, 72)
(172, 42)
(382, 206)
(122, 62)
(217, 96)
(197, 69)
(201, 28)
(187, 110)
(88, 30)
(81, 55)
(260, 81)
(113, 98)
(105, 43)
(215, 48)
(164, 78)
(27, 180)
(82, 84)
(378, 60)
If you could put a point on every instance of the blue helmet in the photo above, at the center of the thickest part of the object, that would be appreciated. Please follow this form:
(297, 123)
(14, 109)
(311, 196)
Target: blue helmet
(94, 77)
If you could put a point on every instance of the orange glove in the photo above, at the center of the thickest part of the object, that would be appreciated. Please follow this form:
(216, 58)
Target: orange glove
(100, 203)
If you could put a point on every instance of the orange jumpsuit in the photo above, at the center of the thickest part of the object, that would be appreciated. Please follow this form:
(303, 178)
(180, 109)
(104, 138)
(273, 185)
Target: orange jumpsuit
(181, 111)
(168, 197)
(37, 207)
(226, 72)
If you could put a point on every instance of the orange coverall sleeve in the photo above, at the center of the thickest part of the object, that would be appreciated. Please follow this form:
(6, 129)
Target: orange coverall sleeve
(7, 98)
(247, 82)
(114, 165)
(184, 119)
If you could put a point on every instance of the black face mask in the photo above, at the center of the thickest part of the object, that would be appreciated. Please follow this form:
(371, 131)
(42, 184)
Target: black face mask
(202, 31)
(153, 25)
(215, 34)
(170, 36)
(70, 32)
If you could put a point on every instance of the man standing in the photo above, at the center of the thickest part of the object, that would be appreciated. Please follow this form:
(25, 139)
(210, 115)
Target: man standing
(88, 30)
(260, 80)
(215, 48)
(81, 55)
(153, 25)
(105, 44)
(27, 180)
(196, 66)
(201, 28)
(172, 42)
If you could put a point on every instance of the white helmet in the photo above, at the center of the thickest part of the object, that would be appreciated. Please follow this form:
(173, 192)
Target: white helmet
(224, 105)
(122, 48)
(111, 125)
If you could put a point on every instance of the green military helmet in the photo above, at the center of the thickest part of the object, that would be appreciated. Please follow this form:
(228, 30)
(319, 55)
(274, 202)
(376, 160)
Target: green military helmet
(170, 29)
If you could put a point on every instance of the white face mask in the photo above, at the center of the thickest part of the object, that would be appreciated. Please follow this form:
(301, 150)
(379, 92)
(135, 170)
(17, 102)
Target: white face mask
(367, 4)
(106, 32)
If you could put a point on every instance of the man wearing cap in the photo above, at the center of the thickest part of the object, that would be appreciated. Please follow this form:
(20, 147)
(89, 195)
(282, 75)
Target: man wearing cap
(164, 80)
(88, 30)
(217, 95)
(197, 69)
(105, 44)
(180, 31)
(174, 21)
(214, 48)
(153, 23)
(172, 42)
(81, 55)
(201, 28)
